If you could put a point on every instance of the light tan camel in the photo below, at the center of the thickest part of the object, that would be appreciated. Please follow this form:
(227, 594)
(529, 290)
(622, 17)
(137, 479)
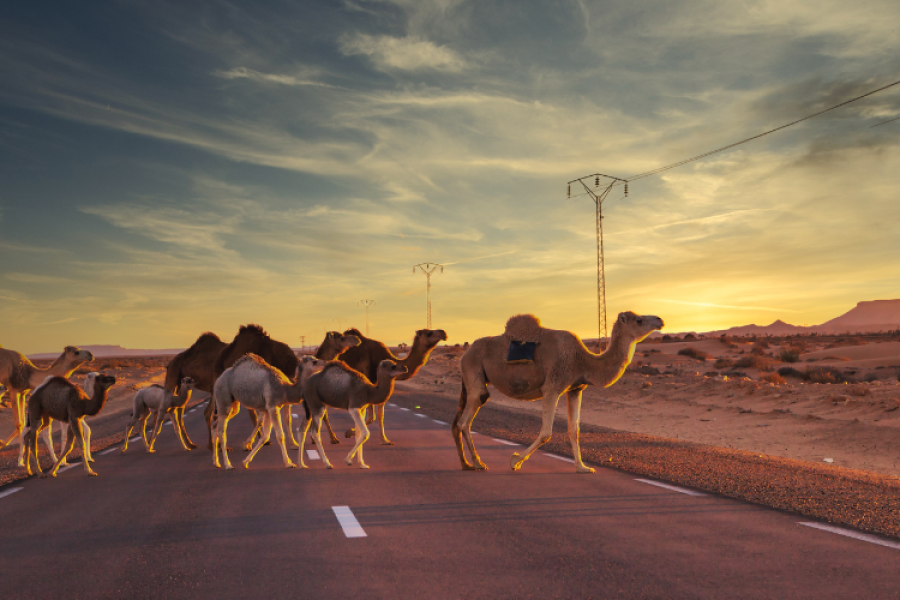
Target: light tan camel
(366, 357)
(562, 364)
(59, 399)
(256, 384)
(151, 402)
(19, 375)
(339, 386)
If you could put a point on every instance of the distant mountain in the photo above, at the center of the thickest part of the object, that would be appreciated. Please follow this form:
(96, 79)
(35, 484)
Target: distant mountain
(872, 315)
(105, 351)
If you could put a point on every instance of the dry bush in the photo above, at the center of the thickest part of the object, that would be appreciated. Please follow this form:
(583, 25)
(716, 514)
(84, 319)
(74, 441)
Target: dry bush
(723, 363)
(754, 361)
(825, 375)
(789, 355)
(773, 378)
(694, 353)
(791, 372)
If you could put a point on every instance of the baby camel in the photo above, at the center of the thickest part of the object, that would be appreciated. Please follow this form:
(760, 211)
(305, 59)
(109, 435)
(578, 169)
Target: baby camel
(157, 401)
(60, 400)
(339, 386)
(256, 384)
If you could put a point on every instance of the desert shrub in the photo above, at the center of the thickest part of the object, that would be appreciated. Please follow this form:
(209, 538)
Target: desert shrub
(757, 350)
(690, 337)
(791, 372)
(754, 361)
(723, 363)
(789, 355)
(870, 377)
(693, 353)
(825, 375)
(773, 378)
(762, 344)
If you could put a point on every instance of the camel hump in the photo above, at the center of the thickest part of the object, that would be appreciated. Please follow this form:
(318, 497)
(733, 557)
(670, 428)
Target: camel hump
(523, 328)
(252, 328)
(251, 358)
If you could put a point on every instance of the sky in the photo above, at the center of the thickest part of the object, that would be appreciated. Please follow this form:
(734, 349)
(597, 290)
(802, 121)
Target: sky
(170, 168)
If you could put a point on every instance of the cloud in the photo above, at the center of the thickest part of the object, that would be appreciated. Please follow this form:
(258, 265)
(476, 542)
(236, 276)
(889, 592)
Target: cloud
(245, 73)
(404, 54)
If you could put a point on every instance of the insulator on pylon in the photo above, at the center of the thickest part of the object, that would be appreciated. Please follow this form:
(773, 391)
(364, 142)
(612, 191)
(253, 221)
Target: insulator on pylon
(596, 181)
(570, 191)
(626, 188)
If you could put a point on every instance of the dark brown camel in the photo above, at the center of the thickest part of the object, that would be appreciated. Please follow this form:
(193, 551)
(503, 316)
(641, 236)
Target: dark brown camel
(366, 357)
(254, 339)
(197, 362)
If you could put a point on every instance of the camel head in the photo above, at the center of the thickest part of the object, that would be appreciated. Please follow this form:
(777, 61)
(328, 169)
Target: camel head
(89, 380)
(429, 338)
(74, 354)
(101, 381)
(187, 383)
(388, 368)
(307, 364)
(634, 327)
(348, 341)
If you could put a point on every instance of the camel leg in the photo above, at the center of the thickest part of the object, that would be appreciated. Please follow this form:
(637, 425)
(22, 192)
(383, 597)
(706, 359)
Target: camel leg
(86, 431)
(549, 402)
(289, 415)
(362, 434)
(248, 444)
(79, 437)
(70, 442)
(20, 427)
(178, 425)
(191, 445)
(334, 438)
(31, 450)
(470, 404)
(266, 423)
(573, 404)
(14, 399)
(279, 435)
(128, 429)
(317, 437)
(221, 437)
(63, 436)
(379, 411)
(48, 441)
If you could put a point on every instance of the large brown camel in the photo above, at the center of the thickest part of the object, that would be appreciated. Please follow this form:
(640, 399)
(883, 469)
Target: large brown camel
(20, 375)
(254, 339)
(561, 364)
(366, 357)
(197, 362)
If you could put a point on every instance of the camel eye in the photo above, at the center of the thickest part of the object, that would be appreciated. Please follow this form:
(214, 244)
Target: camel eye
(639, 321)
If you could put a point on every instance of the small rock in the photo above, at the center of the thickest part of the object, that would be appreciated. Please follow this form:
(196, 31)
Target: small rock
(646, 385)
(828, 460)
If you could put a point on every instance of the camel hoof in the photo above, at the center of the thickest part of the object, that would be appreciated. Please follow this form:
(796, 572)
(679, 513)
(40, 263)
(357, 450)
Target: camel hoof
(44, 475)
(350, 433)
(335, 441)
(387, 443)
(481, 467)
(92, 474)
(290, 466)
(584, 469)
(363, 466)
(329, 466)
(229, 467)
(193, 446)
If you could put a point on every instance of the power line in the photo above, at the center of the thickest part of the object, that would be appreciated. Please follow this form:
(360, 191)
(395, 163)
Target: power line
(428, 269)
(367, 304)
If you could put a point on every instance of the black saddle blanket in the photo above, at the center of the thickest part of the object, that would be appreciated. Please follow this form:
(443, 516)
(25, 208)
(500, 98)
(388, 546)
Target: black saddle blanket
(520, 352)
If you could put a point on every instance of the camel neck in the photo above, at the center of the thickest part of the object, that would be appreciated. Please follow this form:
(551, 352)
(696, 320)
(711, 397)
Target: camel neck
(418, 356)
(382, 390)
(97, 401)
(607, 368)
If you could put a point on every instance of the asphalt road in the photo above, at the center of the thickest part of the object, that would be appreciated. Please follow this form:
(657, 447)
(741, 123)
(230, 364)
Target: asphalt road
(170, 525)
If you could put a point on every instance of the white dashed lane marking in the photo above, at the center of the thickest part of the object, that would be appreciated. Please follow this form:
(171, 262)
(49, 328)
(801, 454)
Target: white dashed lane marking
(109, 450)
(440, 422)
(313, 454)
(391, 404)
(508, 443)
(562, 458)
(404, 408)
(673, 488)
(864, 537)
(349, 524)
(418, 415)
(9, 492)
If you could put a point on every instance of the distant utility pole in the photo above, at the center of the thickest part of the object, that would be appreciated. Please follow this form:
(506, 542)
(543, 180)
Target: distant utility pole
(340, 322)
(367, 304)
(428, 269)
(302, 342)
(598, 195)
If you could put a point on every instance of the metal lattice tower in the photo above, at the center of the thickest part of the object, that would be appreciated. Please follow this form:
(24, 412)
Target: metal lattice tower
(367, 304)
(598, 195)
(428, 269)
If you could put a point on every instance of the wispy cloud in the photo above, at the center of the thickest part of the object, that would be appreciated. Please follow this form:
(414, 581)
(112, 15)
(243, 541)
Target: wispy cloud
(245, 73)
(406, 54)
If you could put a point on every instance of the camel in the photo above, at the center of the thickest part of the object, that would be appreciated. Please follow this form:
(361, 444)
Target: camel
(561, 364)
(256, 384)
(339, 386)
(19, 375)
(59, 399)
(197, 362)
(366, 357)
(157, 402)
(254, 339)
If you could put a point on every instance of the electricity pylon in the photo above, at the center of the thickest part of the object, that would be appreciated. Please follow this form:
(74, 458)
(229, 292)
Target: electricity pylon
(598, 195)
(428, 269)
(367, 304)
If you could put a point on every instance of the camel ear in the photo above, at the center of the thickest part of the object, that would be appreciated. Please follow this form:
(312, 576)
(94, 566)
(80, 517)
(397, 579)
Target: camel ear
(621, 317)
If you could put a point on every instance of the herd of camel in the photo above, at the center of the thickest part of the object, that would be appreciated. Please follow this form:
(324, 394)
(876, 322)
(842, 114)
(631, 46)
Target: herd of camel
(348, 371)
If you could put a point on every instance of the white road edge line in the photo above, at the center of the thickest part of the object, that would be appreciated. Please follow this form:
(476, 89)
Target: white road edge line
(109, 450)
(440, 422)
(10, 492)
(391, 404)
(349, 524)
(562, 458)
(403, 408)
(313, 455)
(67, 467)
(135, 438)
(674, 488)
(418, 415)
(508, 443)
(864, 537)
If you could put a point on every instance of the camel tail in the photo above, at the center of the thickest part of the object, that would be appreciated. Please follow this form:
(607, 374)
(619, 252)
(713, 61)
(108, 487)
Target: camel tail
(462, 405)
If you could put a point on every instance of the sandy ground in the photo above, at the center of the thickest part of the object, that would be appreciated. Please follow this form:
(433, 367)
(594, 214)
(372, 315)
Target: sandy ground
(855, 425)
